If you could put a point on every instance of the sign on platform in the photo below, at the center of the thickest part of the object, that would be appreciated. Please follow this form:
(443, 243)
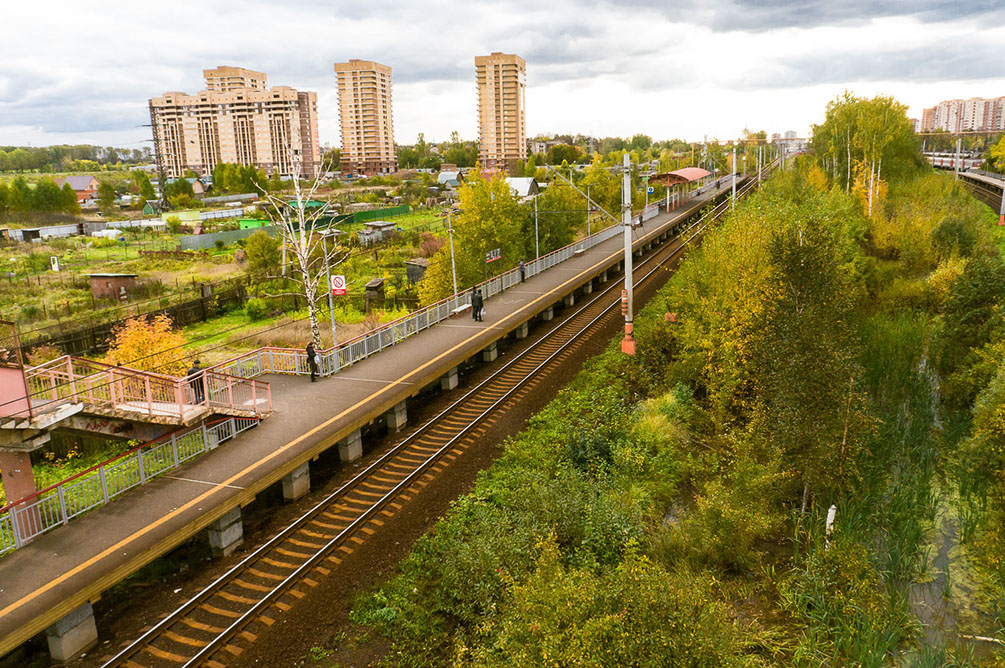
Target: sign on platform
(54, 262)
(651, 190)
(493, 255)
(338, 286)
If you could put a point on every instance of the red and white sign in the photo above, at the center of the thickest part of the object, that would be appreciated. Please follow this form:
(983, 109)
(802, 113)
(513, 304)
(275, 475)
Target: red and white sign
(338, 286)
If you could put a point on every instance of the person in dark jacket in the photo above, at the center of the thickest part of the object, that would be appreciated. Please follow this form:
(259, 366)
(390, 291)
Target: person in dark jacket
(476, 305)
(523, 272)
(196, 376)
(312, 361)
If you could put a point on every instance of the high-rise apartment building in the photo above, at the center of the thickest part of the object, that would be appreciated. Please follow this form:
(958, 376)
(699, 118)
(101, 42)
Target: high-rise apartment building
(365, 117)
(237, 119)
(977, 114)
(502, 122)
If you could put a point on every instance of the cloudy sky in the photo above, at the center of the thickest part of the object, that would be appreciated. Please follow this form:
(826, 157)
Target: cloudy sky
(82, 72)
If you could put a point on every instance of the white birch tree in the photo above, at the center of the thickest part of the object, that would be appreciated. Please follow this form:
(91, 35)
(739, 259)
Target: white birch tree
(302, 232)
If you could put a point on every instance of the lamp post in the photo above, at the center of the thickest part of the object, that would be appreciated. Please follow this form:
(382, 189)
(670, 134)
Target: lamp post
(628, 343)
(537, 243)
(453, 266)
(328, 275)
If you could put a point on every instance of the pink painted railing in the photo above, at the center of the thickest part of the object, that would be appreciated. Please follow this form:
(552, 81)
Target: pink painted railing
(104, 387)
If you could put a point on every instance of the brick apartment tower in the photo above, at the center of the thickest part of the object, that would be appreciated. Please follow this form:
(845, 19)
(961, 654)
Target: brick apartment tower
(502, 119)
(365, 117)
(236, 119)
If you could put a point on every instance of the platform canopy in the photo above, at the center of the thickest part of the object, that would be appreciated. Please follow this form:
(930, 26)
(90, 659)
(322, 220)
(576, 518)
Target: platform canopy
(686, 175)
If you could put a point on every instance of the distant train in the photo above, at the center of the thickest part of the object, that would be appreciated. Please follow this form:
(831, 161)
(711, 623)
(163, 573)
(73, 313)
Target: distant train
(948, 161)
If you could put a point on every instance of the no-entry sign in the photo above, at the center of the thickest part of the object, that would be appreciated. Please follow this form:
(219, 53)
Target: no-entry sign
(338, 286)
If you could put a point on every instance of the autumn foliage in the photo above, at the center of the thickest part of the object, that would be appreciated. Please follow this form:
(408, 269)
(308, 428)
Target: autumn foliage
(148, 343)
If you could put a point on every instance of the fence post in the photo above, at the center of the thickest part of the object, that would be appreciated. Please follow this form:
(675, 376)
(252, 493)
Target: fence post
(254, 396)
(104, 483)
(139, 466)
(62, 505)
(174, 449)
(230, 393)
(150, 403)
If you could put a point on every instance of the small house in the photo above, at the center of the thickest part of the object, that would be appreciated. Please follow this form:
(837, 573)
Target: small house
(111, 286)
(415, 269)
(449, 179)
(84, 185)
(384, 228)
(151, 208)
(523, 186)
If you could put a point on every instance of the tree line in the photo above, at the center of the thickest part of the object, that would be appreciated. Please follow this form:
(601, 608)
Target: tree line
(68, 158)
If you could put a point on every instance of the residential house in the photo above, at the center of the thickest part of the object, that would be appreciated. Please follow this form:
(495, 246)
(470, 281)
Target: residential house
(85, 185)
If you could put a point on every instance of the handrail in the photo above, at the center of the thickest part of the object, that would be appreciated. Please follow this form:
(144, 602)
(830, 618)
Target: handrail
(55, 384)
(332, 357)
(57, 504)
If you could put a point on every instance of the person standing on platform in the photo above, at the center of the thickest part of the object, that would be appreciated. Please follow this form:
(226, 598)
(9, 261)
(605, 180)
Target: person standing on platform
(312, 361)
(196, 376)
(523, 272)
(476, 304)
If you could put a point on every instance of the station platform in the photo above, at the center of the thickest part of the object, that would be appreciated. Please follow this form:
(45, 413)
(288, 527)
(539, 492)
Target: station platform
(59, 574)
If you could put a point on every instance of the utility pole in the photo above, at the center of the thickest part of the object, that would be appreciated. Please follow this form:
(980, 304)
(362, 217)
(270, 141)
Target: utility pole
(758, 164)
(328, 274)
(537, 243)
(589, 210)
(628, 343)
(453, 267)
(733, 166)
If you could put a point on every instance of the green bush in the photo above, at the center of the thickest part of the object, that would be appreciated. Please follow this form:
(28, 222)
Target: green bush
(256, 308)
(220, 245)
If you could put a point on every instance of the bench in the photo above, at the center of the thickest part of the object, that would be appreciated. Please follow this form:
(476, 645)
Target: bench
(460, 309)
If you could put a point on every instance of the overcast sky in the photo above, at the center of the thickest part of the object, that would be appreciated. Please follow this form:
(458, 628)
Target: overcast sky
(82, 72)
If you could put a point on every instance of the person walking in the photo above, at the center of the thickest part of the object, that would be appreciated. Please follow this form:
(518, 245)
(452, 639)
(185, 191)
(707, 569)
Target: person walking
(196, 376)
(523, 271)
(477, 302)
(312, 361)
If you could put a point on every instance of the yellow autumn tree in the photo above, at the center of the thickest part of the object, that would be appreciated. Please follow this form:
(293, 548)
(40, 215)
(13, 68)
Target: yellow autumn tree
(148, 343)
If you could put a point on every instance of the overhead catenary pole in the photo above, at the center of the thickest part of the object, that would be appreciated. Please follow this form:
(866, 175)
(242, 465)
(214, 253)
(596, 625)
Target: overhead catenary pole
(733, 167)
(956, 163)
(628, 343)
(1001, 209)
(589, 210)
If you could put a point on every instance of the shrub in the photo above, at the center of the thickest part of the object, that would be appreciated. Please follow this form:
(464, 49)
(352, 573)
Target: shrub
(220, 245)
(256, 308)
(42, 354)
(148, 343)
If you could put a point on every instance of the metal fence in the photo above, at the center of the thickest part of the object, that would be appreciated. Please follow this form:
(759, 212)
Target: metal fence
(289, 361)
(55, 506)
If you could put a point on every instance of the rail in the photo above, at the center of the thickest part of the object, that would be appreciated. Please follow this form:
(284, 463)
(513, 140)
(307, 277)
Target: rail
(291, 361)
(54, 506)
(107, 388)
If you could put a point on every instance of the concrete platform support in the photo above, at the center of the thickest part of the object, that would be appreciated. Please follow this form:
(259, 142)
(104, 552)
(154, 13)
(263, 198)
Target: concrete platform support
(548, 313)
(588, 288)
(227, 533)
(73, 634)
(449, 380)
(522, 331)
(569, 299)
(351, 447)
(491, 353)
(18, 479)
(297, 482)
(397, 417)
(603, 276)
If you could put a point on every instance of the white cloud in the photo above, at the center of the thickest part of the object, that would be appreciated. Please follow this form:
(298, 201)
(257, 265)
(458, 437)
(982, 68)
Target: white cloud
(600, 67)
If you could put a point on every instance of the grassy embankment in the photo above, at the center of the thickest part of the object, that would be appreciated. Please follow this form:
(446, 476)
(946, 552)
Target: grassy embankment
(669, 509)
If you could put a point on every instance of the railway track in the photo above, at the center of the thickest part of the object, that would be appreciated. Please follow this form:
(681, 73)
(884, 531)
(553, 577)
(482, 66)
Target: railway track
(217, 624)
